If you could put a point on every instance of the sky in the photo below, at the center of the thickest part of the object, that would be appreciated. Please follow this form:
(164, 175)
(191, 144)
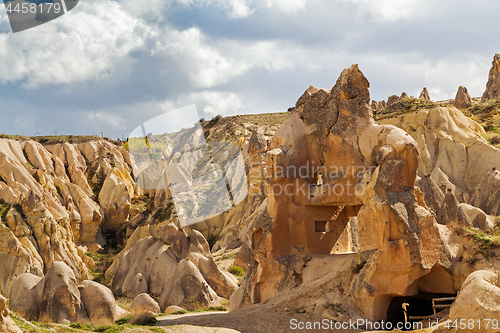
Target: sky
(109, 66)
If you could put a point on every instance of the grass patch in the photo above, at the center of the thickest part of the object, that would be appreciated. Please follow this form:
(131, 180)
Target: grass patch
(484, 242)
(337, 307)
(357, 268)
(123, 320)
(236, 270)
(406, 105)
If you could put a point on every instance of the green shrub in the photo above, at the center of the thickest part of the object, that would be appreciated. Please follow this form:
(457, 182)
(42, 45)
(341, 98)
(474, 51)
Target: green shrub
(236, 270)
(123, 320)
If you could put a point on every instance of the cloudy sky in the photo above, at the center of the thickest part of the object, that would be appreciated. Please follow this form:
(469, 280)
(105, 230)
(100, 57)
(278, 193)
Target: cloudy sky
(111, 65)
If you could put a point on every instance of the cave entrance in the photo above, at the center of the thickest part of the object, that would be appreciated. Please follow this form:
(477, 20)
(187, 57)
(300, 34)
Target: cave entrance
(419, 305)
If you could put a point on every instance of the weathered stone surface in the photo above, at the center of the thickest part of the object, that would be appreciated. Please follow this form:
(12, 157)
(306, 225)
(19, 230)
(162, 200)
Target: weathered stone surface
(493, 86)
(151, 258)
(479, 300)
(144, 302)
(100, 303)
(462, 99)
(258, 142)
(376, 168)
(403, 95)
(425, 95)
(7, 325)
(454, 155)
(115, 198)
(53, 298)
(187, 288)
(58, 298)
(51, 204)
(392, 99)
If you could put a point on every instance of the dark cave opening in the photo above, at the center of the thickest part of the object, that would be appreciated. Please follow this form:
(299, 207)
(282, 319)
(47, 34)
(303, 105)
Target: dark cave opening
(418, 305)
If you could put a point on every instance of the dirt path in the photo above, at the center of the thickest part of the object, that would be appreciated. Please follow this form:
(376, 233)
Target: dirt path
(252, 319)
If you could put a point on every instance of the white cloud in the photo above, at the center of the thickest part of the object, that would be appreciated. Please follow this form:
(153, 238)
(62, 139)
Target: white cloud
(110, 119)
(84, 44)
(286, 6)
(388, 10)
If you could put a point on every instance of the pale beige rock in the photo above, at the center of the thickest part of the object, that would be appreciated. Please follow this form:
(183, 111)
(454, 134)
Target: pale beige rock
(24, 296)
(144, 302)
(100, 304)
(16, 259)
(54, 298)
(403, 95)
(173, 308)
(424, 95)
(479, 299)
(455, 155)
(187, 288)
(115, 198)
(7, 325)
(493, 86)
(462, 99)
(147, 261)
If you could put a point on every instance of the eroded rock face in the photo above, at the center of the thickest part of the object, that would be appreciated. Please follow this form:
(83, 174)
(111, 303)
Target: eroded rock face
(392, 99)
(53, 298)
(462, 99)
(49, 196)
(455, 156)
(425, 95)
(328, 163)
(57, 298)
(187, 288)
(493, 86)
(152, 257)
(7, 325)
(479, 299)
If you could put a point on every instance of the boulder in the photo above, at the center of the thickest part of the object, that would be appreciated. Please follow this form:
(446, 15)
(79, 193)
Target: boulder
(403, 95)
(493, 86)
(462, 99)
(172, 309)
(54, 298)
(152, 255)
(424, 95)
(187, 288)
(100, 303)
(479, 299)
(58, 298)
(7, 325)
(144, 302)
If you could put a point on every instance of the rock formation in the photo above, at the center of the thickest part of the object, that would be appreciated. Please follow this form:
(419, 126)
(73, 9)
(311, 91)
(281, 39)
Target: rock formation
(143, 302)
(425, 95)
(462, 99)
(7, 325)
(328, 164)
(392, 99)
(403, 95)
(57, 297)
(493, 86)
(478, 300)
(48, 194)
(455, 156)
(151, 260)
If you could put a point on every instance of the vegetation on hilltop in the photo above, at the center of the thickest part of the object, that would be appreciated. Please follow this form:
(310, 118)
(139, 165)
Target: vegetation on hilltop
(406, 105)
(55, 139)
